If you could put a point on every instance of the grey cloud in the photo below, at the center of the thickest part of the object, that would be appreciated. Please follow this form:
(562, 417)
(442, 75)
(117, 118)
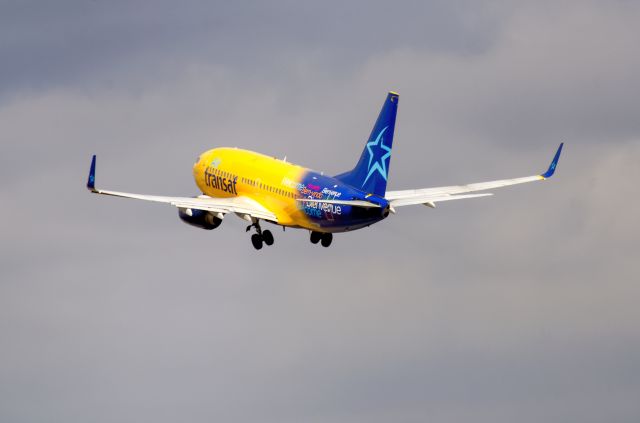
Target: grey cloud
(84, 43)
(517, 307)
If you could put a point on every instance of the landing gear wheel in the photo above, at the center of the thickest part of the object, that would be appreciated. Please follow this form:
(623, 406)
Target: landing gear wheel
(267, 237)
(326, 239)
(315, 237)
(256, 240)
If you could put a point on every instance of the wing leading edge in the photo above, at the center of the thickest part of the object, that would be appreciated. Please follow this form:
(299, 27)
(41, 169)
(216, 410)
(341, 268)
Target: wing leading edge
(243, 206)
(431, 196)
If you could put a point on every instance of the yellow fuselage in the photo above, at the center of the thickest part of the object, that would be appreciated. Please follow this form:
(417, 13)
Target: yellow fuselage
(229, 172)
(297, 196)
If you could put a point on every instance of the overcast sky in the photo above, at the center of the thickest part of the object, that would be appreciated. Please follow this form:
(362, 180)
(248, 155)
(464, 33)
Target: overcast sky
(518, 307)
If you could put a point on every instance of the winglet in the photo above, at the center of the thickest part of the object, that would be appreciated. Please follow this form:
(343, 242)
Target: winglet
(552, 167)
(91, 182)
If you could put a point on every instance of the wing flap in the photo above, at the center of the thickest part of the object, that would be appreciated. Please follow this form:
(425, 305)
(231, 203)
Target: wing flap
(239, 205)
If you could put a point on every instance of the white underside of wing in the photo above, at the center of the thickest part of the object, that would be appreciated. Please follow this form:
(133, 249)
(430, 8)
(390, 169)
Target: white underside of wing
(243, 206)
(431, 196)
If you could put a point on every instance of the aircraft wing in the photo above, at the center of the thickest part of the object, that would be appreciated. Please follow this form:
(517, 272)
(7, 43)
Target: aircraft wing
(431, 196)
(242, 206)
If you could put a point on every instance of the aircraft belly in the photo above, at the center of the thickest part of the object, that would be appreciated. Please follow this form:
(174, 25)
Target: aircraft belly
(343, 224)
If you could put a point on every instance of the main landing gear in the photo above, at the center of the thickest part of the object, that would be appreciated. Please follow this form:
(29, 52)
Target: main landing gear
(324, 238)
(260, 236)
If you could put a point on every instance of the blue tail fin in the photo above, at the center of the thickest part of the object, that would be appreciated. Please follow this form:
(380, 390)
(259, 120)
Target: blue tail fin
(370, 174)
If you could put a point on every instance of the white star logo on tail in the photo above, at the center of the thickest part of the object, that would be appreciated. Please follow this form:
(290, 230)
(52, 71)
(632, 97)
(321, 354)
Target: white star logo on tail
(380, 166)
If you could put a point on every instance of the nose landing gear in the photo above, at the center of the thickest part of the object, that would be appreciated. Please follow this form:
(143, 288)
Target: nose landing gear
(260, 236)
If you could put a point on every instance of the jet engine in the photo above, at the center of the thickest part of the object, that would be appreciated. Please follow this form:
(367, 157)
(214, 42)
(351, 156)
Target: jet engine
(200, 218)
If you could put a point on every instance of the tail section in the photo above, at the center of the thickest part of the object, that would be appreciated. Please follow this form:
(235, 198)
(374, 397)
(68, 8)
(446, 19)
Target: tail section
(370, 174)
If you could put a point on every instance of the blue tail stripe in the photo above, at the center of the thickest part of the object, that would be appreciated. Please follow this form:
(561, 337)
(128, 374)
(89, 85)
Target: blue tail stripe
(371, 172)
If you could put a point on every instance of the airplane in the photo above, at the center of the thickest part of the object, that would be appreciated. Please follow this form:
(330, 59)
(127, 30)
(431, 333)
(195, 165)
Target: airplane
(258, 188)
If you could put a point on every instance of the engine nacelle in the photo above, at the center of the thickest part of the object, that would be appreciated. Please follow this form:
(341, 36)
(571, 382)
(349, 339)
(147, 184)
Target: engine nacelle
(199, 218)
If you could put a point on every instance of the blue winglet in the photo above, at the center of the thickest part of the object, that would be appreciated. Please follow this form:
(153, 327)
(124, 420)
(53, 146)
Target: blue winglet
(91, 182)
(552, 167)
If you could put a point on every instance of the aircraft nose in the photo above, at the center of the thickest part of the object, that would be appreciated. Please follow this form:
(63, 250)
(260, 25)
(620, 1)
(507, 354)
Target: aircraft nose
(200, 162)
(197, 166)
